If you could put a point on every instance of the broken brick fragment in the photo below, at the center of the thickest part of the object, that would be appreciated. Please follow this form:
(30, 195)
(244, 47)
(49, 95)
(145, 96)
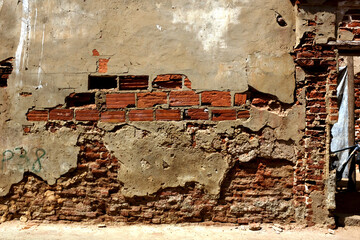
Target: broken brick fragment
(173, 81)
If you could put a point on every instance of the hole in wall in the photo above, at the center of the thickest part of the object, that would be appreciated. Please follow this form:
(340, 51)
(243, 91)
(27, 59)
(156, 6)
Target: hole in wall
(80, 99)
(102, 82)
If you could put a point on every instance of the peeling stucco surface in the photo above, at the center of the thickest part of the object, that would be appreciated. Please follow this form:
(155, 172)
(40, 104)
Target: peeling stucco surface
(154, 156)
(213, 43)
(48, 155)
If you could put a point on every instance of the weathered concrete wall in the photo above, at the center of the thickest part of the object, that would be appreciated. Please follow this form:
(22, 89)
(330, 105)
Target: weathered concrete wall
(53, 45)
(191, 111)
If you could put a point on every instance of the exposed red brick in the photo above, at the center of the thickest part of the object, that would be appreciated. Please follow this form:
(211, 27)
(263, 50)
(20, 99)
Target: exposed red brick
(102, 65)
(353, 24)
(27, 129)
(113, 116)
(120, 100)
(141, 115)
(187, 83)
(184, 98)
(95, 52)
(243, 114)
(216, 98)
(87, 115)
(223, 114)
(168, 115)
(240, 99)
(61, 114)
(37, 115)
(259, 102)
(197, 114)
(173, 81)
(151, 99)
(134, 82)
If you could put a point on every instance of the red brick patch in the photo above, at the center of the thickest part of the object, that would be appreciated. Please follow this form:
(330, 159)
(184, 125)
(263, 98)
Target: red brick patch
(197, 114)
(102, 68)
(187, 83)
(216, 99)
(168, 115)
(120, 100)
(61, 114)
(151, 99)
(87, 115)
(141, 115)
(243, 114)
(113, 116)
(186, 98)
(240, 99)
(173, 81)
(37, 115)
(223, 114)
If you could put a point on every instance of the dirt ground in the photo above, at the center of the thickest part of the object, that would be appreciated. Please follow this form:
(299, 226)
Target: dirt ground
(32, 230)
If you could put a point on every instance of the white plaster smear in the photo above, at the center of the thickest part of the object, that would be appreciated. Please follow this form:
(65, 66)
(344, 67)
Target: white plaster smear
(209, 20)
(24, 32)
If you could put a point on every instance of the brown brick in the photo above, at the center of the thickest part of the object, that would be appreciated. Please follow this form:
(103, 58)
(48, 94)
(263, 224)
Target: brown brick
(141, 115)
(223, 114)
(243, 114)
(133, 82)
(216, 99)
(184, 98)
(87, 115)
(168, 115)
(61, 114)
(240, 99)
(120, 100)
(197, 114)
(113, 116)
(37, 115)
(173, 81)
(151, 99)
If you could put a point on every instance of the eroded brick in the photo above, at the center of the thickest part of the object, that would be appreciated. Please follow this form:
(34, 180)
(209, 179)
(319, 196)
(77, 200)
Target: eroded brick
(223, 114)
(120, 100)
(216, 98)
(37, 115)
(184, 98)
(151, 99)
(172, 81)
(197, 114)
(141, 115)
(87, 115)
(113, 116)
(61, 114)
(168, 115)
(240, 99)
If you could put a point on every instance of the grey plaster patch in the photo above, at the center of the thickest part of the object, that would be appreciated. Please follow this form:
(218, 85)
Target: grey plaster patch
(151, 161)
(48, 155)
